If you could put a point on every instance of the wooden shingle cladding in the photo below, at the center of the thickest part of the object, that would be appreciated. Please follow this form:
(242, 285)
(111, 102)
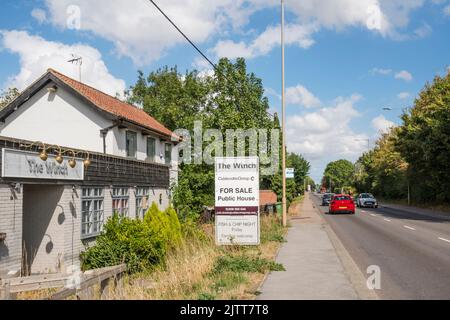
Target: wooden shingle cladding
(104, 169)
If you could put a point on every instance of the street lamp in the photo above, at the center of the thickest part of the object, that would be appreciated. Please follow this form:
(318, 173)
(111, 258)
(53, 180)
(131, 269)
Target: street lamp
(407, 180)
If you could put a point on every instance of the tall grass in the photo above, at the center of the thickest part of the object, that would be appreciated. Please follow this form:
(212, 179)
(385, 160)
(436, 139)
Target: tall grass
(200, 270)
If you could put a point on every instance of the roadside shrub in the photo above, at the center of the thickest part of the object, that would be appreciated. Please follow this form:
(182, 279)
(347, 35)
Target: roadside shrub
(242, 263)
(140, 244)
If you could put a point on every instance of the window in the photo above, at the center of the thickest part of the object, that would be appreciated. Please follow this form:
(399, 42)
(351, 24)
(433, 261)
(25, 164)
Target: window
(168, 153)
(131, 144)
(91, 212)
(120, 200)
(151, 149)
(142, 195)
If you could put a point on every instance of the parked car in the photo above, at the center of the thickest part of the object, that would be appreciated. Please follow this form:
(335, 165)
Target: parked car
(326, 199)
(342, 203)
(365, 200)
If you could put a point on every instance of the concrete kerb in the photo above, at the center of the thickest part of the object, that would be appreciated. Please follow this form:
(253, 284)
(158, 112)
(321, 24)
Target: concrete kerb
(268, 273)
(352, 271)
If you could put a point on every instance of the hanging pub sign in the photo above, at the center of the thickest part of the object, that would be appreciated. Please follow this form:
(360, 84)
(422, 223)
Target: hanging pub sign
(237, 201)
(28, 165)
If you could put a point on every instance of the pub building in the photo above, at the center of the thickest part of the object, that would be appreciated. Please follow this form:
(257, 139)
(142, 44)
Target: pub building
(71, 157)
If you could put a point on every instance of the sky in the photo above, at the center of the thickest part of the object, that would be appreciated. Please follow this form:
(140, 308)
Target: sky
(346, 60)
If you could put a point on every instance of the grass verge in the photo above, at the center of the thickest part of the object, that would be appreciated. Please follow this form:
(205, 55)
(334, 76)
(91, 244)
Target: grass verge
(199, 270)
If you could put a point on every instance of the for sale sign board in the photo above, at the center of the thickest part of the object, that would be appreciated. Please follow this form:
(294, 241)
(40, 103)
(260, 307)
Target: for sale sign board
(237, 201)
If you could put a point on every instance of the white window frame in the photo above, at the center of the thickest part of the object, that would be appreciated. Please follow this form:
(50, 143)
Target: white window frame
(120, 196)
(127, 145)
(141, 193)
(168, 161)
(92, 199)
(151, 158)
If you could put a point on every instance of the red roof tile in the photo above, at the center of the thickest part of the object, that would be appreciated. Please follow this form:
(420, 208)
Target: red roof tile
(113, 105)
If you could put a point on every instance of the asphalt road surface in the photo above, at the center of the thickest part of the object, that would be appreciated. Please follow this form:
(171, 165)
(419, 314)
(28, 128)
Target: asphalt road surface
(412, 251)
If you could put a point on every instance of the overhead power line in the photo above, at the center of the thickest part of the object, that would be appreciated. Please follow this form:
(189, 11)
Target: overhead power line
(184, 35)
(194, 45)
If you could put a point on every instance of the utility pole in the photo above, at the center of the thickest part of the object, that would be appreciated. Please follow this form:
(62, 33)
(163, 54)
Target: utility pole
(283, 102)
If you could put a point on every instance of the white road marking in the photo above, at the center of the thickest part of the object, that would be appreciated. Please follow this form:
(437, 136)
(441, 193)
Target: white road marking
(373, 215)
(410, 228)
(363, 211)
(387, 220)
(443, 239)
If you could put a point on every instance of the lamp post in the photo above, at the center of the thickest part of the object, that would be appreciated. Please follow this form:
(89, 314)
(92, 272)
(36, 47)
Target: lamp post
(283, 102)
(407, 180)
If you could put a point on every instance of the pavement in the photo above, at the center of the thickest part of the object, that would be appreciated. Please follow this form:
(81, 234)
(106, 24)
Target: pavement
(410, 246)
(317, 265)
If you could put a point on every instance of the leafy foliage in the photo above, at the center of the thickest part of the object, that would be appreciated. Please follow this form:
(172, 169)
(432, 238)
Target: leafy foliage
(231, 98)
(338, 174)
(414, 155)
(8, 96)
(243, 263)
(424, 142)
(383, 170)
(141, 244)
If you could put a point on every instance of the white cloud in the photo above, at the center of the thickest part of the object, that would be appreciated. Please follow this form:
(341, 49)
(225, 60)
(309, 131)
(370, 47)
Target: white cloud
(301, 96)
(403, 95)
(381, 124)
(139, 31)
(37, 55)
(40, 15)
(325, 135)
(339, 14)
(404, 75)
(385, 17)
(295, 34)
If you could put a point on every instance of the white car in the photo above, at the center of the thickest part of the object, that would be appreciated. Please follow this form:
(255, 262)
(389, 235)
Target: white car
(366, 200)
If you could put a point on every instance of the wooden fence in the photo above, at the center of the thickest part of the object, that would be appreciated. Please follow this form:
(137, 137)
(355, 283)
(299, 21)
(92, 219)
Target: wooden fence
(79, 285)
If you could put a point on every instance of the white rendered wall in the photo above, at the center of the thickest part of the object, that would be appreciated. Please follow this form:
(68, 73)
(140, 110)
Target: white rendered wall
(62, 119)
(58, 119)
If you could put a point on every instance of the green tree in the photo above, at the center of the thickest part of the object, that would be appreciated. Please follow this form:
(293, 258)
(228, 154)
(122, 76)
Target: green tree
(8, 96)
(338, 174)
(424, 142)
(301, 169)
(231, 98)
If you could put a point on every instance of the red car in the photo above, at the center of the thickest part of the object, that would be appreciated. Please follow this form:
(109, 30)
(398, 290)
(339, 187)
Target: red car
(342, 203)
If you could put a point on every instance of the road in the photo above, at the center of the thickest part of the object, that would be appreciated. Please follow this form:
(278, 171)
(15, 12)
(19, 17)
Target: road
(412, 251)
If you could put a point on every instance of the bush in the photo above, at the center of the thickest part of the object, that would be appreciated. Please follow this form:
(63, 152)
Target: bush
(140, 244)
(242, 263)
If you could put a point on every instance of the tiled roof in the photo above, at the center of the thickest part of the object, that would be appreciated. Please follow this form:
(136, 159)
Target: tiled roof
(113, 105)
(267, 197)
